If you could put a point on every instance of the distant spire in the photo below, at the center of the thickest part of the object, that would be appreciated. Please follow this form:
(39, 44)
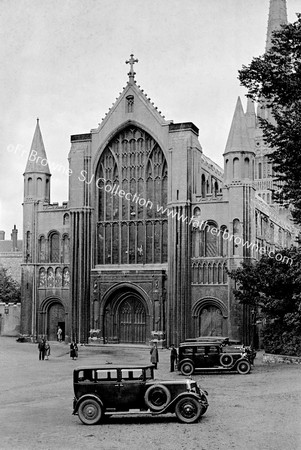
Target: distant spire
(37, 159)
(238, 139)
(131, 73)
(277, 17)
(250, 114)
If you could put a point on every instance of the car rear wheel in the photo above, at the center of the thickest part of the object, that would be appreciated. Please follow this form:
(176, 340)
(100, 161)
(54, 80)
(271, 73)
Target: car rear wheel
(188, 410)
(157, 397)
(187, 368)
(90, 411)
(243, 367)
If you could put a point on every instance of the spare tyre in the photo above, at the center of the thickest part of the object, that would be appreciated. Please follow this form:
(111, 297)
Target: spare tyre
(226, 360)
(157, 397)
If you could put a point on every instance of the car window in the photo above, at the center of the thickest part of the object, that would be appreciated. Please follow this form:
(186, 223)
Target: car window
(214, 349)
(200, 350)
(187, 351)
(149, 373)
(132, 374)
(106, 374)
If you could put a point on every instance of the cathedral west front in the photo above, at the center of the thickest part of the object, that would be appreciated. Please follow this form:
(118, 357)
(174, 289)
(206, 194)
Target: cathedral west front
(142, 247)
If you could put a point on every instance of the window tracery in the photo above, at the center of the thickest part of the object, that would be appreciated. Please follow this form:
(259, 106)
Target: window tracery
(131, 226)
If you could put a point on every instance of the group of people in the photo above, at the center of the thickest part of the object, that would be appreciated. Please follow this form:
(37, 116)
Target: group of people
(154, 358)
(44, 349)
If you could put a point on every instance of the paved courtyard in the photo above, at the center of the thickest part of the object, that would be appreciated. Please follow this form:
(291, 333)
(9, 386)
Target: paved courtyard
(261, 410)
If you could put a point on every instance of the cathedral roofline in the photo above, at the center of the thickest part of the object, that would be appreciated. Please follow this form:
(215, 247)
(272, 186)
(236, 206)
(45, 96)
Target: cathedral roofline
(181, 126)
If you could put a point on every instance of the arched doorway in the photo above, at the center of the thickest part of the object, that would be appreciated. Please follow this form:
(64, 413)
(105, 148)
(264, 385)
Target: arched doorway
(210, 316)
(126, 319)
(55, 319)
(210, 321)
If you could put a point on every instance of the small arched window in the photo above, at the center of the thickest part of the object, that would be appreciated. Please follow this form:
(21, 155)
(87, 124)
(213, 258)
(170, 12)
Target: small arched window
(203, 186)
(235, 168)
(247, 168)
(42, 249)
(259, 171)
(54, 248)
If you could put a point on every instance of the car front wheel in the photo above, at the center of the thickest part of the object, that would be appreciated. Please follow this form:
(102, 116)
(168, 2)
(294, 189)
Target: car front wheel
(243, 367)
(90, 412)
(187, 368)
(188, 410)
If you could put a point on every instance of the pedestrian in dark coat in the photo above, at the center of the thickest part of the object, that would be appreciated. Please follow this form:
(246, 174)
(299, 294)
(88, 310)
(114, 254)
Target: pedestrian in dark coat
(73, 350)
(41, 347)
(154, 355)
(173, 357)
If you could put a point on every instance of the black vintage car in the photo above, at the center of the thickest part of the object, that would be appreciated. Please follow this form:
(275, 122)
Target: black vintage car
(230, 345)
(106, 390)
(212, 356)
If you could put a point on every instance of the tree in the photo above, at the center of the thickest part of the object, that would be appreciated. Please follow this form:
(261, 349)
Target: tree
(10, 290)
(274, 81)
(274, 289)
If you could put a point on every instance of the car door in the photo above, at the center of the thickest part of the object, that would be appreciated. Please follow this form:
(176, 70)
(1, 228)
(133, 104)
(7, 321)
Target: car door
(213, 356)
(131, 389)
(201, 356)
(107, 387)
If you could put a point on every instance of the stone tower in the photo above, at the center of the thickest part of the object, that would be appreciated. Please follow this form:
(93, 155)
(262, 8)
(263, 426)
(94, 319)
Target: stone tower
(36, 193)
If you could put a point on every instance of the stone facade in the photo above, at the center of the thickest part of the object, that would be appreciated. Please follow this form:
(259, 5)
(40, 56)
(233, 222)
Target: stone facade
(150, 227)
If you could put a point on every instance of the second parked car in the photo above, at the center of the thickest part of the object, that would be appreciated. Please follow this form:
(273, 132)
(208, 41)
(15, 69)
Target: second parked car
(212, 356)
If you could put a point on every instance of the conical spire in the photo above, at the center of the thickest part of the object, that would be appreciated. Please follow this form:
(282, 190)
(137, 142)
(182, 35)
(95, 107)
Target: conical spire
(37, 159)
(277, 17)
(238, 140)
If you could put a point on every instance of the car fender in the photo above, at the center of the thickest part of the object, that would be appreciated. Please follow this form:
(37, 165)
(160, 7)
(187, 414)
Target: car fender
(85, 397)
(171, 405)
(243, 358)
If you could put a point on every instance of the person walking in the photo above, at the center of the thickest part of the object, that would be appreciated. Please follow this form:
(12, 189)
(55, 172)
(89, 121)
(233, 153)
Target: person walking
(73, 350)
(59, 334)
(173, 357)
(41, 347)
(47, 350)
(154, 358)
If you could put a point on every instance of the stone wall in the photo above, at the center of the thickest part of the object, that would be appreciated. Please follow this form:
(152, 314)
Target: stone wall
(12, 262)
(10, 319)
(274, 359)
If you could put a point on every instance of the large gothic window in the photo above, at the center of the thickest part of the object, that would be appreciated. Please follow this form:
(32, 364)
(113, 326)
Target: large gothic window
(131, 180)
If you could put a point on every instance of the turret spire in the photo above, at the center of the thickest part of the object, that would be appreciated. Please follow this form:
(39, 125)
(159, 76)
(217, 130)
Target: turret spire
(238, 140)
(37, 159)
(277, 17)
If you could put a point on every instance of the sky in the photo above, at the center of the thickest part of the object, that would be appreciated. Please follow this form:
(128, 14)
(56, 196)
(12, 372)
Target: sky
(63, 61)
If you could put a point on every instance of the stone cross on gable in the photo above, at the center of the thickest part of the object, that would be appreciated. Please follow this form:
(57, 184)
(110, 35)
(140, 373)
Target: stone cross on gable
(131, 62)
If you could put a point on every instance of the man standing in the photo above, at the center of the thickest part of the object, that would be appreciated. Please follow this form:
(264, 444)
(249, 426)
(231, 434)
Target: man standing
(41, 347)
(154, 359)
(173, 357)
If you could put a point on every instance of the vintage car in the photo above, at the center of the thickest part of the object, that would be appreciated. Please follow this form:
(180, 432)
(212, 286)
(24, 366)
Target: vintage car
(230, 345)
(212, 356)
(102, 391)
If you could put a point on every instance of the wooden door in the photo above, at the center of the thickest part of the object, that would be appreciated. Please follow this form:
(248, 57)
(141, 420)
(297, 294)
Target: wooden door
(211, 322)
(132, 321)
